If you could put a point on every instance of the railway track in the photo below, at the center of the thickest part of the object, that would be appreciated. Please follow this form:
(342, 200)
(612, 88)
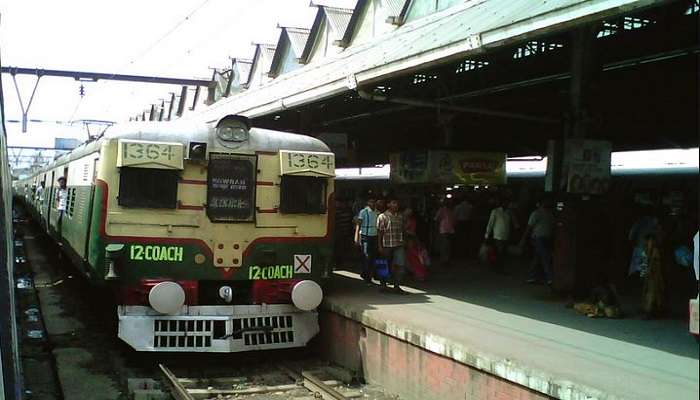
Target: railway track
(305, 384)
(77, 344)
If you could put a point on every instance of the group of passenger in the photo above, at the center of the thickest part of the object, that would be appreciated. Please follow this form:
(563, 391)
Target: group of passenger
(38, 194)
(395, 243)
(382, 232)
(501, 226)
(659, 241)
(386, 235)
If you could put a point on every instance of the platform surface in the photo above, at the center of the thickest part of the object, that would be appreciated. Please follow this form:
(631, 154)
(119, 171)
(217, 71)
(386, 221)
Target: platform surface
(518, 332)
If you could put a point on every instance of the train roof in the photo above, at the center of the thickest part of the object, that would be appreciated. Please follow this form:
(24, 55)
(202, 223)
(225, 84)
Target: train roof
(186, 131)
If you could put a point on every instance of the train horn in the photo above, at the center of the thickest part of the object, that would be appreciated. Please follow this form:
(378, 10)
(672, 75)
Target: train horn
(111, 273)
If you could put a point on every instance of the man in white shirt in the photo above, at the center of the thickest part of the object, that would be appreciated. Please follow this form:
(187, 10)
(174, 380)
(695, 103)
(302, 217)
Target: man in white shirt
(61, 199)
(499, 228)
(540, 229)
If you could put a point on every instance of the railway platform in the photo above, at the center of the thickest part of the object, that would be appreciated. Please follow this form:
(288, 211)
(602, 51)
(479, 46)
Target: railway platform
(469, 335)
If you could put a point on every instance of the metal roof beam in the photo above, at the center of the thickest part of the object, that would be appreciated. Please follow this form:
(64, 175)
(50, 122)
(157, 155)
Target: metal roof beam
(449, 107)
(95, 76)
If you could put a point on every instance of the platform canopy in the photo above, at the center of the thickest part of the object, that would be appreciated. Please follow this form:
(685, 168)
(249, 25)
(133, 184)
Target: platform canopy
(444, 69)
(469, 28)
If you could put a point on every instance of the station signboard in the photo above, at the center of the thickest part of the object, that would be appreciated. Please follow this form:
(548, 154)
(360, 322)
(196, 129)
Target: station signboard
(449, 167)
(586, 166)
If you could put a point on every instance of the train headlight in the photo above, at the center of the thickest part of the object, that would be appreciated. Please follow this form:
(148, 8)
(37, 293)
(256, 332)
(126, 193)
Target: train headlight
(167, 297)
(232, 130)
(307, 295)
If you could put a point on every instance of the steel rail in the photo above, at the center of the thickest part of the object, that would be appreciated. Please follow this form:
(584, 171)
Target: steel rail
(316, 385)
(176, 389)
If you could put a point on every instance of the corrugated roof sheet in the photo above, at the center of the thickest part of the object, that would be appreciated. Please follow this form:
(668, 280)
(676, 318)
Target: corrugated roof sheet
(474, 26)
(268, 52)
(243, 68)
(298, 38)
(394, 6)
(338, 19)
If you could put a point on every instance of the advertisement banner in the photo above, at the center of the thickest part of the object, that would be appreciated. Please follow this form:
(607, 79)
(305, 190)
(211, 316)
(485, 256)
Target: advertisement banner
(449, 167)
(468, 167)
(586, 166)
(409, 167)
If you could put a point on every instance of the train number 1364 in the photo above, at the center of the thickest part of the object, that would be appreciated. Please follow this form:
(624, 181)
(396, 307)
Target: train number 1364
(309, 161)
(148, 151)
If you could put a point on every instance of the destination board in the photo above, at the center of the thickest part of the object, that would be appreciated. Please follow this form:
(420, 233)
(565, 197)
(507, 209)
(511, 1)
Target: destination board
(143, 154)
(231, 187)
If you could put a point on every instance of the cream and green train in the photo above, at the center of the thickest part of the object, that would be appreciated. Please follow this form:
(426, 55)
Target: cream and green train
(214, 237)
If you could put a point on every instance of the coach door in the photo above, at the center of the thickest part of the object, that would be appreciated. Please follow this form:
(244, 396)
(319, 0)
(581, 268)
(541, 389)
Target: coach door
(49, 200)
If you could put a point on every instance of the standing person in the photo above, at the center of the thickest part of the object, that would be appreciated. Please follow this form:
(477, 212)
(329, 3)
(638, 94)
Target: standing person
(463, 216)
(498, 228)
(61, 201)
(445, 218)
(390, 225)
(381, 205)
(540, 227)
(366, 237)
(653, 275)
(410, 222)
(647, 224)
(39, 194)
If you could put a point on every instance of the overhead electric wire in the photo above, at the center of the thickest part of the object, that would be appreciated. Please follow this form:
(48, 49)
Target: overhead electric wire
(168, 33)
(157, 42)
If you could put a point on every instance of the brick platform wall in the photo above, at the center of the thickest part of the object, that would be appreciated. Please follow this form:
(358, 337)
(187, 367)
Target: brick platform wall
(407, 370)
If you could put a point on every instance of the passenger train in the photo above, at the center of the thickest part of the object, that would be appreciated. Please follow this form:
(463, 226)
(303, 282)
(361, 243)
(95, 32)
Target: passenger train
(10, 368)
(214, 237)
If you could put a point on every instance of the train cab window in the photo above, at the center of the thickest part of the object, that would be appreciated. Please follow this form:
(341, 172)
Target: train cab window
(147, 188)
(303, 194)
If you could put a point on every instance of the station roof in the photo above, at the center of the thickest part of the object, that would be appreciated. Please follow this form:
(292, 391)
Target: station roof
(469, 28)
(337, 19)
(291, 40)
(262, 61)
(241, 68)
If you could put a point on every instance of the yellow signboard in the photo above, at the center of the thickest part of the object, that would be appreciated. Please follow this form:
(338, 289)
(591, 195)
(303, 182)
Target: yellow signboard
(143, 154)
(468, 167)
(307, 163)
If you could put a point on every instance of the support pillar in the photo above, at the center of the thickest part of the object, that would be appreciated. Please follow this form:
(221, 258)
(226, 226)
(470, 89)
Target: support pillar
(580, 238)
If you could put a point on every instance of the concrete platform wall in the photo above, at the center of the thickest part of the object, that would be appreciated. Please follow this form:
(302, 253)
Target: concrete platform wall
(408, 370)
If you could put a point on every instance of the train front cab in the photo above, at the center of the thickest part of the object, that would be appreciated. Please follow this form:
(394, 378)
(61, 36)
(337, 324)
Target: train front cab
(221, 253)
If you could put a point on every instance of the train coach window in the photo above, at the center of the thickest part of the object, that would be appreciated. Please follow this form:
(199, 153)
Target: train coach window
(147, 188)
(303, 195)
